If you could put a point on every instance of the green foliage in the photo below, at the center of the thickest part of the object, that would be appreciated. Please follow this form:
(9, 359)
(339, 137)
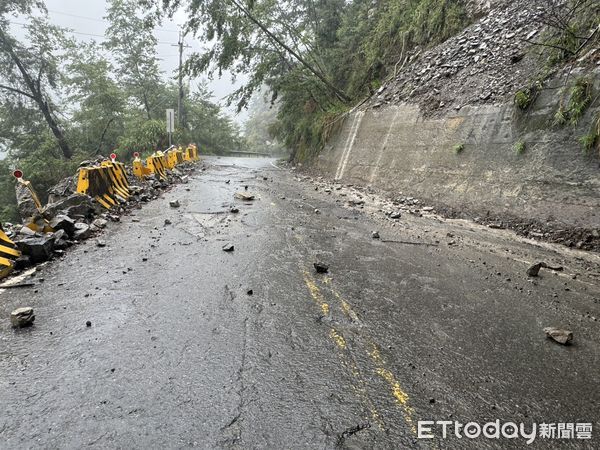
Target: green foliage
(520, 147)
(458, 148)
(8, 201)
(588, 142)
(568, 27)
(316, 57)
(143, 136)
(560, 116)
(106, 99)
(592, 139)
(525, 97)
(132, 42)
(581, 97)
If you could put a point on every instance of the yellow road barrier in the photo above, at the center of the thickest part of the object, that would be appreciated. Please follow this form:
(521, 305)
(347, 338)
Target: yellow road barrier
(8, 254)
(156, 164)
(104, 183)
(118, 178)
(191, 153)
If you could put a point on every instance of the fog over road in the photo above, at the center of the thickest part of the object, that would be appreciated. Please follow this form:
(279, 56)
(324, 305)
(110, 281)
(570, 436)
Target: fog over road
(437, 320)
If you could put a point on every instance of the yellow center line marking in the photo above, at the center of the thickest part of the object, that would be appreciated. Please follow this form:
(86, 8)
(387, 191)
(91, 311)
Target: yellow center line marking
(347, 359)
(398, 392)
(338, 339)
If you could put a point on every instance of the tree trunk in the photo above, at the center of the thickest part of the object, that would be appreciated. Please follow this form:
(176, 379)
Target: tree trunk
(36, 94)
(58, 134)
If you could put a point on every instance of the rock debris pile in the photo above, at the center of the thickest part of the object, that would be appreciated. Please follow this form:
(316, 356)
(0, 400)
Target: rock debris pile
(486, 63)
(70, 217)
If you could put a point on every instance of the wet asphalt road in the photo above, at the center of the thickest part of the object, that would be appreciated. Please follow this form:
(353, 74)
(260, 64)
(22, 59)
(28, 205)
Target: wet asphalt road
(179, 355)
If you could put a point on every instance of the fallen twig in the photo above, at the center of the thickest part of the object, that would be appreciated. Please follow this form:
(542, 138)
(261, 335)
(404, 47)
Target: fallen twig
(408, 242)
(14, 286)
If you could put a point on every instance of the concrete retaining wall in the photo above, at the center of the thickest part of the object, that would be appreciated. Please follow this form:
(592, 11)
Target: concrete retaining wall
(397, 150)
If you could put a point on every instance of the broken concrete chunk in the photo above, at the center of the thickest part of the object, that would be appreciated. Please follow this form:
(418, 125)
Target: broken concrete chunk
(100, 243)
(58, 235)
(534, 270)
(234, 210)
(22, 317)
(168, 222)
(356, 202)
(25, 202)
(396, 215)
(375, 234)
(245, 196)
(228, 248)
(26, 231)
(174, 204)
(564, 337)
(321, 267)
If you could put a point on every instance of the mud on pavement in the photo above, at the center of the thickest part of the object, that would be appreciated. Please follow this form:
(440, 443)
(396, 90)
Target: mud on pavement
(160, 338)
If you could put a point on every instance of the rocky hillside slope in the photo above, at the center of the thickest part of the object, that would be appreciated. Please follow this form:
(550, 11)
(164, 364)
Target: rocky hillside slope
(447, 129)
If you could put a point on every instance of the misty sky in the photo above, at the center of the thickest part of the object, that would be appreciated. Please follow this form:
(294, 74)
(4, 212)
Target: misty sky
(85, 18)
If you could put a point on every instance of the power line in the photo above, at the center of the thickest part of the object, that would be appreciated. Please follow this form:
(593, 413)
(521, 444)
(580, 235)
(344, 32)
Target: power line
(82, 33)
(101, 20)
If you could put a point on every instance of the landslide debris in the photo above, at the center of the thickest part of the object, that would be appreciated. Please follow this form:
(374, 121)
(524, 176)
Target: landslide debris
(74, 217)
(486, 63)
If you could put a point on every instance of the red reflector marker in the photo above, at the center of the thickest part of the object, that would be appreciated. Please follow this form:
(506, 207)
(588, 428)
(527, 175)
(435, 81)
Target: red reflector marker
(136, 155)
(113, 156)
(18, 174)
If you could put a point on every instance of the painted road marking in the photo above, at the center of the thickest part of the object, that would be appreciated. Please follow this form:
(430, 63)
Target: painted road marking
(400, 396)
(346, 357)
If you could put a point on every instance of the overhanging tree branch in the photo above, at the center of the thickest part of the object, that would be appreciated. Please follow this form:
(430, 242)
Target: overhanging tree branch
(17, 91)
(339, 93)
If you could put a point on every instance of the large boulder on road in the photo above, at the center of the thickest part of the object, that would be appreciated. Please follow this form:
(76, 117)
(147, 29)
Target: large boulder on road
(74, 206)
(38, 248)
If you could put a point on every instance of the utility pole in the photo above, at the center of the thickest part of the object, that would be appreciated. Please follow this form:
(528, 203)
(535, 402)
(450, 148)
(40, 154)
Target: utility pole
(180, 107)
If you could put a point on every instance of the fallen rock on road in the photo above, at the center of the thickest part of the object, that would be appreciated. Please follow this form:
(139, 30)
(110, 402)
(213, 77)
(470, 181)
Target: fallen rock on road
(321, 267)
(22, 317)
(534, 270)
(564, 337)
(244, 196)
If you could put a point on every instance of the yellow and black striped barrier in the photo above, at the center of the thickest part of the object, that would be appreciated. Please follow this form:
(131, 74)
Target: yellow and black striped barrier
(96, 182)
(118, 178)
(8, 254)
(157, 164)
(174, 157)
(191, 153)
(108, 184)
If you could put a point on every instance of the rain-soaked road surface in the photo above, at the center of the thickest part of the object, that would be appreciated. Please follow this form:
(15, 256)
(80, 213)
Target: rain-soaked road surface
(179, 355)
